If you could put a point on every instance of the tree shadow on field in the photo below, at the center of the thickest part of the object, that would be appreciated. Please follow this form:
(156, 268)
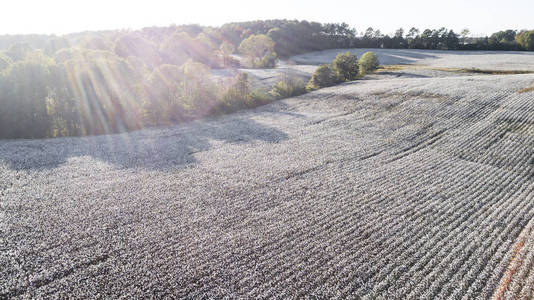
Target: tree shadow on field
(155, 149)
(399, 56)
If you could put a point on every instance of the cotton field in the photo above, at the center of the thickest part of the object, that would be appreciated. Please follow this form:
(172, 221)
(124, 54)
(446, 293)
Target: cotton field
(416, 184)
(492, 60)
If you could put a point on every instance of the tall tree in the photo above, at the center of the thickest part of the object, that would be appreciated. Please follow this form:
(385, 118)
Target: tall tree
(226, 50)
(526, 39)
(256, 47)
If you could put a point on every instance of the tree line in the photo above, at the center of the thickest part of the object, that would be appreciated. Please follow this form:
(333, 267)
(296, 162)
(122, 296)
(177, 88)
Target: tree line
(293, 37)
(107, 82)
(114, 81)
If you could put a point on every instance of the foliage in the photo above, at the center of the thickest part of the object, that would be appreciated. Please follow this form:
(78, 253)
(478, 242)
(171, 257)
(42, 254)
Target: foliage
(260, 50)
(97, 43)
(163, 99)
(368, 62)
(288, 86)
(199, 91)
(105, 89)
(5, 61)
(525, 39)
(176, 50)
(18, 51)
(237, 95)
(137, 46)
(260, 96)
(112, 81)
(56, 44)
(226, 49)
(268, 61)
(345, 66)
(323, 76)
(23, 94)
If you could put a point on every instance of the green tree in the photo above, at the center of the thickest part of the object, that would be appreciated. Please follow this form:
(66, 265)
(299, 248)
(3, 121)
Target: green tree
(368, 62)
(62, 107)
(198, 89)
(204, 50)
(452, 41)
(323, 76)
(56, 44)
(97, 43)
(164, 103)
(24, 100)
(5, 61)
(526, 39)
(412, 37)
(345, 66)
(268, 61)
(465, 34)
(412, 33)
(137, 46)
(259, 49)
(237, 95)
(18, 51)
(177, 49)
(105, 89)
(226, 50)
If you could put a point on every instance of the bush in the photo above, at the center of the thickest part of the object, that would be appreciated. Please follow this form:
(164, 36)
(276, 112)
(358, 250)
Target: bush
(260, 96)
(288, 87)
(232, 62)
(322, 77)
(237, 96)
(268, 61)
(368, 62)
(346, 66)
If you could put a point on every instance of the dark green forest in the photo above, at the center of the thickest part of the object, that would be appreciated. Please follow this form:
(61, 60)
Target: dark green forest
(114, 81)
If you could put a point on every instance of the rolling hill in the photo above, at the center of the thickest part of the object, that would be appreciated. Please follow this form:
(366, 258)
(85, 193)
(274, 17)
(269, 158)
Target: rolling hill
(415, 183)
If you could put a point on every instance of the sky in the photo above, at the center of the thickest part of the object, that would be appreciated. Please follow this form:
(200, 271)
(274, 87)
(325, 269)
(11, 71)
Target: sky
(61, 16)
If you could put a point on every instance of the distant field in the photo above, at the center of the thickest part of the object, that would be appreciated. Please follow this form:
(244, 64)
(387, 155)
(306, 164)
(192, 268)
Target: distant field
(487, 60)
(416, 183)
(425, 63)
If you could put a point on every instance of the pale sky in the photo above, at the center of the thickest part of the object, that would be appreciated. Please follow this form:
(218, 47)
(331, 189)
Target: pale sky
(62, 16)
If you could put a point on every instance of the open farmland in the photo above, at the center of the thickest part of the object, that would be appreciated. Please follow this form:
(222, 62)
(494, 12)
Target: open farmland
(486, 60)
(407, 186)
(416, 64)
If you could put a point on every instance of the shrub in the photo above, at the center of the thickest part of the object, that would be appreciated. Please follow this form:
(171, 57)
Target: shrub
(232, 62)
(268, 61)
(237, 95)
(288, 87)
(346, 66)
(260, 96)
(368, 62)
(322, 77)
